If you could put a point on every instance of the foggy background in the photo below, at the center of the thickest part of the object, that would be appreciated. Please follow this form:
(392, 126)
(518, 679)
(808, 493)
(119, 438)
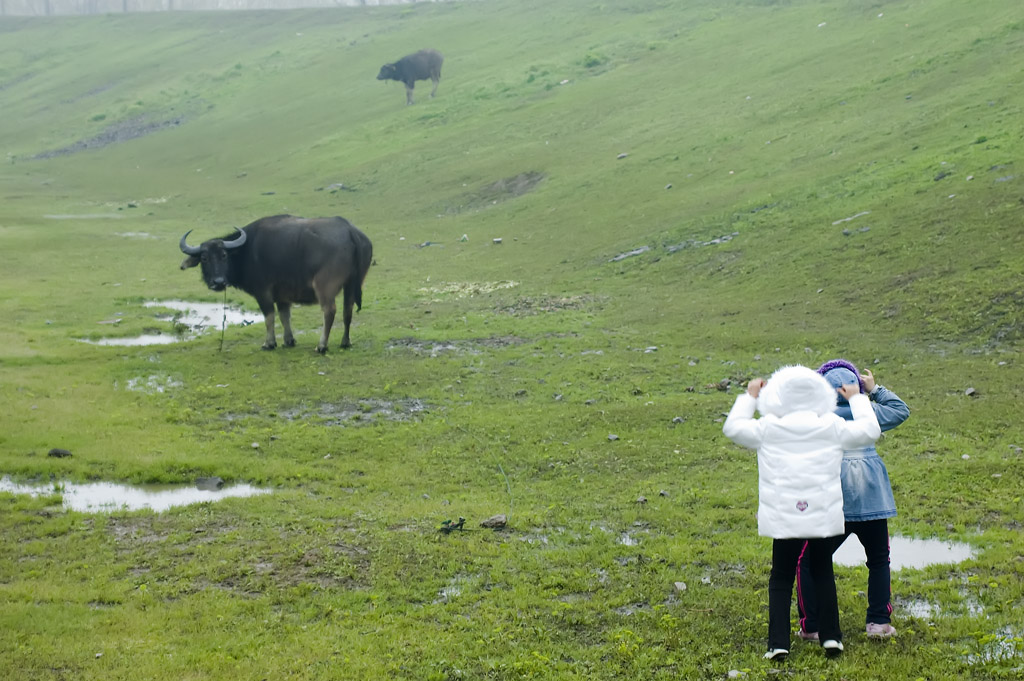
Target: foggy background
(42, 8)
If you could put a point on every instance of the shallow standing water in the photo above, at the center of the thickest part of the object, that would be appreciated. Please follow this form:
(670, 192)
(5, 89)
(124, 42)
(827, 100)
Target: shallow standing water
(196, 317)
(101, 497)
(905, 552)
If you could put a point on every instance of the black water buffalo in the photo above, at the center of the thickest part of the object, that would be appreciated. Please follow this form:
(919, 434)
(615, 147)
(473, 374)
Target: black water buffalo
(284, 260)
(412, 67)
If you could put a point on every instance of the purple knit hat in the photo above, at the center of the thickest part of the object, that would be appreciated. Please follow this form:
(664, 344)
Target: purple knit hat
(842, 364)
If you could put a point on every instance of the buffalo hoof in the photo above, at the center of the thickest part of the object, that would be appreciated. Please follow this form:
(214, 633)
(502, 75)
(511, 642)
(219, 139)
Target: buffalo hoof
(321, 350)
(289, 343)
(268, 346)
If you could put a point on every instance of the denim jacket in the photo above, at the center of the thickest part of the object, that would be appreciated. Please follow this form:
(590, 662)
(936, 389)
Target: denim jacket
(867, 493)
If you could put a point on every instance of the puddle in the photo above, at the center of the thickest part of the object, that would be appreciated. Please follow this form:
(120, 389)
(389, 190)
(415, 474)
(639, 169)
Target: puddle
(1002, 647)
(194, 318)
(87, 216)
(626, 539)
(151, 385)
(455, 588)
(907, 552)
(927, 610)
(105, 497)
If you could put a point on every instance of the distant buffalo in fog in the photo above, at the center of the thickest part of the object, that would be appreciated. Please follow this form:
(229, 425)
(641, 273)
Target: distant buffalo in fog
(412, 67)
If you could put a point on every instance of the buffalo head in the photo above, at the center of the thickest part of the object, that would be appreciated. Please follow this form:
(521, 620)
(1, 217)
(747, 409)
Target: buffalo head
(213, 256)
(388, 72)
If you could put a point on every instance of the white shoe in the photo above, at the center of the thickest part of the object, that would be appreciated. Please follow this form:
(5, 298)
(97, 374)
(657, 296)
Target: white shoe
(776, 654)
(833, 648)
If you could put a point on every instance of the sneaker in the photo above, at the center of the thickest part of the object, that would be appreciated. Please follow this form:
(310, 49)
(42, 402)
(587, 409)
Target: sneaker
(832, 648)
(776, 654)
(808, 635)
(876, 630)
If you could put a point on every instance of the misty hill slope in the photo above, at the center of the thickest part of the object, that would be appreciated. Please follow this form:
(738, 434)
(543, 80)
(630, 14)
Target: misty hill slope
(688, 194)
(855, 158)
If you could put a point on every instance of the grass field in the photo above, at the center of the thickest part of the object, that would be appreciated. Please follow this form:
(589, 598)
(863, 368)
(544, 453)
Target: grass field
(688, 194)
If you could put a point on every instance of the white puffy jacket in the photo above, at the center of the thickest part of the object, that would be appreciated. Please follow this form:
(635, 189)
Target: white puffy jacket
(799, 442)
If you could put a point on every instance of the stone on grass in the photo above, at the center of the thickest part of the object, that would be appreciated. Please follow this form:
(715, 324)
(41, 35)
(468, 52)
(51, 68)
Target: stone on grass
(58, 453)
(495, 521)
(209, 483)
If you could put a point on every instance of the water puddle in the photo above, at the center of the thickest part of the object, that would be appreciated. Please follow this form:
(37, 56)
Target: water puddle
(188, 321)
(105, 497)
(1003, 647)
(906, 552)
(928, 610)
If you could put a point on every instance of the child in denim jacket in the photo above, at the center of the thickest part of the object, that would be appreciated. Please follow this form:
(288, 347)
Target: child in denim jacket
(868, 503)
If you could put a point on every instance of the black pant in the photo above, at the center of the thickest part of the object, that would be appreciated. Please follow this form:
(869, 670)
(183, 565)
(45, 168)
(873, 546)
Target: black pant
(786, 555)
(874, 537)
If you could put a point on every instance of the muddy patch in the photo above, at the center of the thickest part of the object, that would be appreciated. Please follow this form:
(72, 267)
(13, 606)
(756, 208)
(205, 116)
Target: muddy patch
(165, 556)
(498, 192)
(356, 412)
(427, 348)
(527, 307)
(675, 248)
(457, 290)
(122, 131)
(135, 235)
(85, 216)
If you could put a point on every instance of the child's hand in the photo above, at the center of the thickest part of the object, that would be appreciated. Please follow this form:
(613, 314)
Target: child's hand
(869, 380)
(849, 390)
(755, 385)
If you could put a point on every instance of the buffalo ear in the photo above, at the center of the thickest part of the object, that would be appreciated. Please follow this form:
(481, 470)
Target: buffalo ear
(190, 261)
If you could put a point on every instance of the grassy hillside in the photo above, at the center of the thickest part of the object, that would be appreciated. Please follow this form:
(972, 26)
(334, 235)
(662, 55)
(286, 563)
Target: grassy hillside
(688, 194)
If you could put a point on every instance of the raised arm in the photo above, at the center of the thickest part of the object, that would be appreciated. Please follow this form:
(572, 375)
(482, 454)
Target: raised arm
(740, 426)
(863, 430)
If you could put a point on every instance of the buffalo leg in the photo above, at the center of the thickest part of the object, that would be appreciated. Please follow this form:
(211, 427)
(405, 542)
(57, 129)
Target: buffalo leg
(267, 308)
(346, 316)
(329, 310)
(408, 94)
(434, 91)
(284, 310)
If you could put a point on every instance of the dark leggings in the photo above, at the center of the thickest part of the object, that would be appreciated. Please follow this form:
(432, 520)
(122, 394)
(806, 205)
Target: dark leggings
(874, 537)
(786, 555)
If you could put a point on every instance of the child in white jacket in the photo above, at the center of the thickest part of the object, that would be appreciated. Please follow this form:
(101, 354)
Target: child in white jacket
(800, 442)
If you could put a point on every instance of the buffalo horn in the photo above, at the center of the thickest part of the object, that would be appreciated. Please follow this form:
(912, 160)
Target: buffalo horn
(185, 248)
(237, 242)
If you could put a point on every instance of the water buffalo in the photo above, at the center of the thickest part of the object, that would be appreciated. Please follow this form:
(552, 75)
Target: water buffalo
(285, 259)
(412, 67)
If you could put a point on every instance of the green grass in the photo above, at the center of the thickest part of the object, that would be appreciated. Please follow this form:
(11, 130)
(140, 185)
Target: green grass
(775, 123)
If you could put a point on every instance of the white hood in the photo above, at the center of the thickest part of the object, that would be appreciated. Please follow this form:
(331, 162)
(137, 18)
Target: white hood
(796, 388)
